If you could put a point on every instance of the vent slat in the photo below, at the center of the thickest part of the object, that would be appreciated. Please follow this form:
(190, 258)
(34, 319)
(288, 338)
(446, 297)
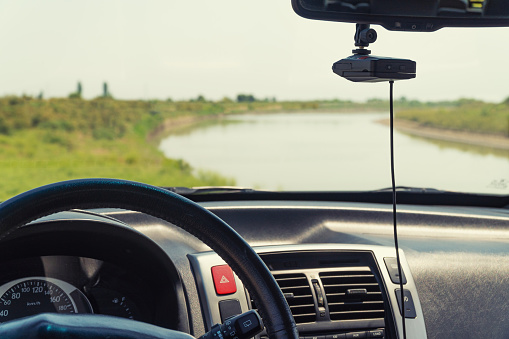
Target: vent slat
(341, 285)
(290, 278)
(356, 312)
(307, 306)
(305, 315)
(356, 303)
(348, 276)
(294, 287)
(329, 295)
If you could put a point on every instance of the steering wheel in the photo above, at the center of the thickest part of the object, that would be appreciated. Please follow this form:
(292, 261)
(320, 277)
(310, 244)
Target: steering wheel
(158, 202)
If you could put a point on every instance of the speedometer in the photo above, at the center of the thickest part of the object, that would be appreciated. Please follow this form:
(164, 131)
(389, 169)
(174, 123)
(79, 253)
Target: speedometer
(34, 295)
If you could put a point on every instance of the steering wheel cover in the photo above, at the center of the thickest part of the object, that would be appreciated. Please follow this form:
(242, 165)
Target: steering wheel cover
(173, 208)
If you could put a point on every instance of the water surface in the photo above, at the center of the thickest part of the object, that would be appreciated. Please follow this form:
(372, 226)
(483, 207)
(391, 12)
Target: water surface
(333, 151)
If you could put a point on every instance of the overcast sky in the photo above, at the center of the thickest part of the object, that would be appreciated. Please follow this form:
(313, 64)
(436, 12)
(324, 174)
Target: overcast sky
(180, 49)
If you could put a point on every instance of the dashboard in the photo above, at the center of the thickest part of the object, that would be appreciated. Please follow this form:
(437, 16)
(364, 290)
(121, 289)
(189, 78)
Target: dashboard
(334, 262)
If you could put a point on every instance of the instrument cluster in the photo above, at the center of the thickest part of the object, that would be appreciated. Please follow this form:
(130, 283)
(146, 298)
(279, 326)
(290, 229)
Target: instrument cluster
(68, 284)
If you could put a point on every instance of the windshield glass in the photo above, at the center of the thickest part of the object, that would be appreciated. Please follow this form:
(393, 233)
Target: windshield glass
(202, 93)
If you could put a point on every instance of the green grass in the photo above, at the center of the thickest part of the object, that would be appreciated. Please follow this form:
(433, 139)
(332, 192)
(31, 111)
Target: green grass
(465, 115)
(29, 159)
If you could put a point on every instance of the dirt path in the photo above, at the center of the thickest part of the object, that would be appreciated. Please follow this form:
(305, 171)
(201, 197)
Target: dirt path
(492, 141)
(180, 122)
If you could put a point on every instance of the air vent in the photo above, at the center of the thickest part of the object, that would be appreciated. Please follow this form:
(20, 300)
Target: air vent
(296, 289)
(353, 294)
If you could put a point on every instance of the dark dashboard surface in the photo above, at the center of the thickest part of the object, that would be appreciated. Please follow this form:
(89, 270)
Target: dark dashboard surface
(458, 257)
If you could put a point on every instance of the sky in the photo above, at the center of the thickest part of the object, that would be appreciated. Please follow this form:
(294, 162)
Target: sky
(159, 49)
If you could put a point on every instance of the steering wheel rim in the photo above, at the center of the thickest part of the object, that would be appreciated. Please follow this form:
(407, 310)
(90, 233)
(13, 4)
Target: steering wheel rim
(168, 206)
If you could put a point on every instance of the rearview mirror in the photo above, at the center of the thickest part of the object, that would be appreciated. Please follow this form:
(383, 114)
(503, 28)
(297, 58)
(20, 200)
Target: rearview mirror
(408, 15)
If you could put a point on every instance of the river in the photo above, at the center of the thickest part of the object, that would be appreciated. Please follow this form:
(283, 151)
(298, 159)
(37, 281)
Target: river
(333, 151)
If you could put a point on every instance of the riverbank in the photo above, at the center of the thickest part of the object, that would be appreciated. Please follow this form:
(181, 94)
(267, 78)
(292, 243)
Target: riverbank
(172, 124)
(48, 140)
(465, 115)
(469, 138)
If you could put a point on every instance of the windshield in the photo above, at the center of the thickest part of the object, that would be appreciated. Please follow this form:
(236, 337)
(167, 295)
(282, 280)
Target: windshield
(229, 93)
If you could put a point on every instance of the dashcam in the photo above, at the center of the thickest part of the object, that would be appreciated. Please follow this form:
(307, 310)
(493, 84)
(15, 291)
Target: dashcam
(370, 68)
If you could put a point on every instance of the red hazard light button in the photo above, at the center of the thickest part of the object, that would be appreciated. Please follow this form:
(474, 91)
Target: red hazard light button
(224, 282)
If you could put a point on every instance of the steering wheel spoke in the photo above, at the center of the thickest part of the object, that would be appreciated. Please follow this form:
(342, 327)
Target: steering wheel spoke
(84, 326)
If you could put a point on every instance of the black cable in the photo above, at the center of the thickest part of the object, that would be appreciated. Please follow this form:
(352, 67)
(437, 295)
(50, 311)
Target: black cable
(393, 177)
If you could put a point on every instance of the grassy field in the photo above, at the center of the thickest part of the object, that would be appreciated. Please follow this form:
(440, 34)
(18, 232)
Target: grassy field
(464, 115)
(43, 141)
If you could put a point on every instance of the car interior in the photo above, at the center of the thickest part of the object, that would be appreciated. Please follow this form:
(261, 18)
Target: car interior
(109, 258)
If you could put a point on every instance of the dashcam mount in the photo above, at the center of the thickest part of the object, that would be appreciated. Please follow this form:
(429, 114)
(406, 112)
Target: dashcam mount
(363, 67)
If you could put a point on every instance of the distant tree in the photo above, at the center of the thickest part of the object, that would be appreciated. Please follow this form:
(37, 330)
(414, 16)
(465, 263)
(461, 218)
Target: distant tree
(77, 94)
(106, 92)
(169, 100)
(40, 96)
(200, 98)
(245, 98)
(506, 101)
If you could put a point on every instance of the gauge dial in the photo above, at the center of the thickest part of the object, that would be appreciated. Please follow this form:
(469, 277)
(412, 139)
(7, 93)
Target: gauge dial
(111, 302)
(30, 296)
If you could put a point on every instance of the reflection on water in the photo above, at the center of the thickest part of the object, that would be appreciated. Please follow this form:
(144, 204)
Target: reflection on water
(187, 129)
(443, 144)
(333, 151)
